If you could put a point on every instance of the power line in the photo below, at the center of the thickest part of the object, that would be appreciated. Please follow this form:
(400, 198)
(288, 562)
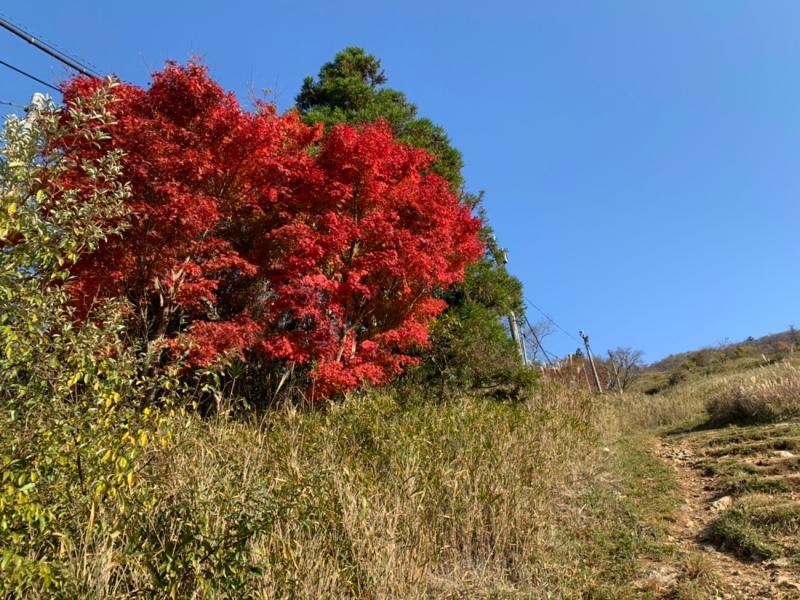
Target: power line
(553, 321)
(47, 49)
(76, 57)
(29, 76)
(537, 340)
(14, 104)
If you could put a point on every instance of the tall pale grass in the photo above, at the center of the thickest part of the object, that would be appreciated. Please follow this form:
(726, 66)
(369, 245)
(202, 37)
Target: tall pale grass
(766, 392)
(374, 499)
(378, 498)
(770, 394)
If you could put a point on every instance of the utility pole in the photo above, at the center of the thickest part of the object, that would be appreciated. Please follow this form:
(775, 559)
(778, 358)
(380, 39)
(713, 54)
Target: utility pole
(517, 337)
(591, 360)
(501, 257)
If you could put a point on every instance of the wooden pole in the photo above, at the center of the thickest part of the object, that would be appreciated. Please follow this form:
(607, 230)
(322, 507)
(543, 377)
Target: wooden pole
(591, 360)
(515, 335)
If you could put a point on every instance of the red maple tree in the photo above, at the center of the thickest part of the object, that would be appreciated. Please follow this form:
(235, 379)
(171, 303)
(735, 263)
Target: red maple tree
(256, 235)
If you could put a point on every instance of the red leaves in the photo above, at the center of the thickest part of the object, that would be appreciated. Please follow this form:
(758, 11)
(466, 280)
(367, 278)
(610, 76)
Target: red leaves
(251, 233)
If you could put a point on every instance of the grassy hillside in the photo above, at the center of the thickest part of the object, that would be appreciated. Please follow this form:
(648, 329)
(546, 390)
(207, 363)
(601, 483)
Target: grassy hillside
(567, 495)
(373, 498)
(721, 359)
(130, 467)
(158, 445)
(770, 345)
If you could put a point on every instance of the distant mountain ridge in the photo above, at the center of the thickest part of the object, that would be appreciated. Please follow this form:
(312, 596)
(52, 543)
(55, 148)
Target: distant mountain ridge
(771, 345)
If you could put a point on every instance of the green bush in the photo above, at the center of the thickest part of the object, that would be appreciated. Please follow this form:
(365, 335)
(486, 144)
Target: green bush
(471, 351)
(102, 456)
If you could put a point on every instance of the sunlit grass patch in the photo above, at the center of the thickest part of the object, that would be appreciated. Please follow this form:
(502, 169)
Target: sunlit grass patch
(768, 395)
(726, 467)
(754, 433)
(779, 466)
(741, 484)
(758, 526)
(759, 447)
(735, 532)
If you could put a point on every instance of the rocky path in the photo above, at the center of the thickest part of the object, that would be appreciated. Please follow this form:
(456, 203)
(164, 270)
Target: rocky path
(734, 578)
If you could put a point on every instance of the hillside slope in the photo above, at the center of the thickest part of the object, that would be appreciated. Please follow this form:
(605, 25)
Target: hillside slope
(732, 442)
(770, 346)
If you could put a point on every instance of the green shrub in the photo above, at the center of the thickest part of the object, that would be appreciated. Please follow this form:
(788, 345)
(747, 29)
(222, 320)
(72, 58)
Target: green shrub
(78, 433)
(471, 351)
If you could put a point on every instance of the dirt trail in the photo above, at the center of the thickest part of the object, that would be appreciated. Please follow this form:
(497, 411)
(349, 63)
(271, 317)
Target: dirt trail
(737, 578)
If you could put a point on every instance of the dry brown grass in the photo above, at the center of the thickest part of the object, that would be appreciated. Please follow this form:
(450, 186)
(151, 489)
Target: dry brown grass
(770, 394)
(469, 499)
(380, 497)
(376, 499)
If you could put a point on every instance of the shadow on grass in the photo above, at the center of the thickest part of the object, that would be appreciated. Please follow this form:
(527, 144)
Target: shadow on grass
(708, 424)
(694, 426)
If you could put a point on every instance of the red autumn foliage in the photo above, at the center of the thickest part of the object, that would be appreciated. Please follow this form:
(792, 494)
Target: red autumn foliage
(255, 234)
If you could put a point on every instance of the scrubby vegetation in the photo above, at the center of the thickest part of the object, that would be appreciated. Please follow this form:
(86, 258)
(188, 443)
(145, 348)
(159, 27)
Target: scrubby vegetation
(130, 470)
(770, 395)
(742, 432)
(725, 358)
(756, 466)
(184, 431)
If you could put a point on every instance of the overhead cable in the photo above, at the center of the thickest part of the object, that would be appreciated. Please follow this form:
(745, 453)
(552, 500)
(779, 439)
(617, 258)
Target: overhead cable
(29, 76)
(553, 321)
(46, 48)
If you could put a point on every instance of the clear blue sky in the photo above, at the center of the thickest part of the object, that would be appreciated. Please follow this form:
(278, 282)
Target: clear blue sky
(641, 159)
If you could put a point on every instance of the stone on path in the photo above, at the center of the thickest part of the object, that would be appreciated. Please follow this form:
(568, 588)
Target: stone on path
(721, 504)
(782, 453)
